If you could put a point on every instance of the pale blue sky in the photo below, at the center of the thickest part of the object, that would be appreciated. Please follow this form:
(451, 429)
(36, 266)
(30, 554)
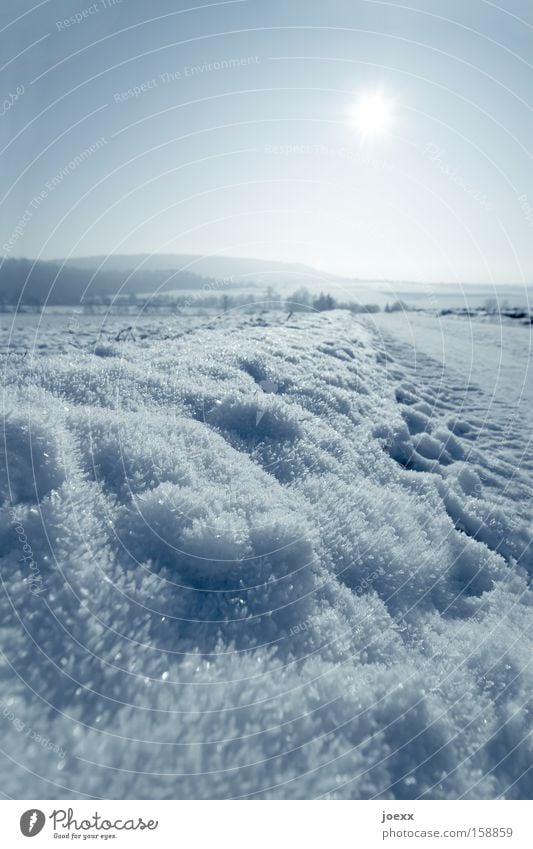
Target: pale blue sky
(261, 159)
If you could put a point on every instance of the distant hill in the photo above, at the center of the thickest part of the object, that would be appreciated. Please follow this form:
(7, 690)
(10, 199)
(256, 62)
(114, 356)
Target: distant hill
(77, 279)
(239, 269)
(34, 283)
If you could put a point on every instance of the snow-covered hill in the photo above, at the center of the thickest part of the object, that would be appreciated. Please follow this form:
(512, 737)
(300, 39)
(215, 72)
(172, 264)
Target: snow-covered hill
(261, 558)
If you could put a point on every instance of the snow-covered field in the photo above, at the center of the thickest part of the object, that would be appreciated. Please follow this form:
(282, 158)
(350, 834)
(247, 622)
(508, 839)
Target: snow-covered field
(248, 557)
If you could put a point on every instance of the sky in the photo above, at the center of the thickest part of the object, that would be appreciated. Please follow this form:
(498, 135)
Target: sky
(377, 140)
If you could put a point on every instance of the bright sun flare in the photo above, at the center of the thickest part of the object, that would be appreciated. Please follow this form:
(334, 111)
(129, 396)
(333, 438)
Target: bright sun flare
(372, 114)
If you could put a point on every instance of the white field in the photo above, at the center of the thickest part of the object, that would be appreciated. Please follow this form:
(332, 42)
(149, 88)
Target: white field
(272, 558)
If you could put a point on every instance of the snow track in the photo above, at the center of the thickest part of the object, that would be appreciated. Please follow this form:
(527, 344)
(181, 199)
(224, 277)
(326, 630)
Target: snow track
(450, 419)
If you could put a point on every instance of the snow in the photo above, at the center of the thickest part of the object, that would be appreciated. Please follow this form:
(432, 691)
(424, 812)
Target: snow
(497, 357)
(275, 559)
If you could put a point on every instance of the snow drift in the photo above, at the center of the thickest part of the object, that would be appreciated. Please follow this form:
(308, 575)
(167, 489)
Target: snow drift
(316, 590)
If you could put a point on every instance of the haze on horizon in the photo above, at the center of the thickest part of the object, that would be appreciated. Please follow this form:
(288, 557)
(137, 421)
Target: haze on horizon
(365, 139)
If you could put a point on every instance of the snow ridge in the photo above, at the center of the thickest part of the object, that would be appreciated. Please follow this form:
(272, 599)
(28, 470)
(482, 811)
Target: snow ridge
(274, 561)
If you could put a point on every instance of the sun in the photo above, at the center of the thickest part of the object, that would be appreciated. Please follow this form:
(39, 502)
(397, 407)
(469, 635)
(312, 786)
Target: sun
(372, 114)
